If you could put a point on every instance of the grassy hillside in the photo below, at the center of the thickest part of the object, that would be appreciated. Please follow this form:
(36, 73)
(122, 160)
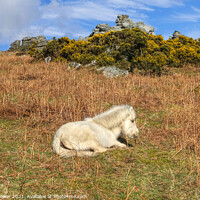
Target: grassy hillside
(37, 98)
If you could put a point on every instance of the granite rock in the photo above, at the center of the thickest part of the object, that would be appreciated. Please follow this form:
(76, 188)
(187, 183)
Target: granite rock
(122, 22)
(28, 42)
(112, 71)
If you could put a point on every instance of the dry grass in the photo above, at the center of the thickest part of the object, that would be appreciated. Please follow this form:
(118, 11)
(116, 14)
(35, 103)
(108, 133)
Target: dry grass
(36, 99)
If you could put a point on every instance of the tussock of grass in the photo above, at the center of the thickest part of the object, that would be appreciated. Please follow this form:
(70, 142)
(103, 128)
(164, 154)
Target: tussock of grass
(36, 99)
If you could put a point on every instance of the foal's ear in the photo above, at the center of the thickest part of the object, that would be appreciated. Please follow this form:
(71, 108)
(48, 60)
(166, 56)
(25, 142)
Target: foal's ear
(132, 112)
(131, 108)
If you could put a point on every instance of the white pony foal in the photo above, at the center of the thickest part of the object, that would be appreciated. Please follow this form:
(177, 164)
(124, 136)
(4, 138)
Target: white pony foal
(95, 135)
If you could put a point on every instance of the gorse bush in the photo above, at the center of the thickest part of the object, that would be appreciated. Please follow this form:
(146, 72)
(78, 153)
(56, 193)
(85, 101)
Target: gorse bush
(104, 60)
(151, 64)
(130, 49)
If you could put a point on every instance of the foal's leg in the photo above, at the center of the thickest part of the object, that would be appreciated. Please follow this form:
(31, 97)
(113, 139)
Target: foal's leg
(88, 145)
(119, 144)
(99, 149)
(90, 141)
(96, 146)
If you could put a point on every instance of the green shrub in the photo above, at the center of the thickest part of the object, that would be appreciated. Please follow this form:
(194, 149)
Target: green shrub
(34, 52)
(150, 64)
(104, 60)
(82, 58)
(130, 49)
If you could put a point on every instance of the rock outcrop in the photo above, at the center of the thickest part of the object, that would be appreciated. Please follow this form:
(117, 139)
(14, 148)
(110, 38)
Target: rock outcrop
(100, 28)
(81, 39)
(28, 42)
(15, 45)
(146, 28)
(122, 22)
(176, 34)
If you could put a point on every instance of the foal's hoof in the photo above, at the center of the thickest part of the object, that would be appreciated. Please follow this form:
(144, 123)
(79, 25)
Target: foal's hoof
(122, 146)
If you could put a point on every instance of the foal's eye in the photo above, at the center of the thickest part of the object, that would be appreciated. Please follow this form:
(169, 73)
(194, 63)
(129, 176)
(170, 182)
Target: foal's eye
(133, 121)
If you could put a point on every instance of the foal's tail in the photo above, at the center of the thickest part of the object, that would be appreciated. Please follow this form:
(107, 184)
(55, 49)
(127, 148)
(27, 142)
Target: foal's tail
(57, 143)
(66, 153)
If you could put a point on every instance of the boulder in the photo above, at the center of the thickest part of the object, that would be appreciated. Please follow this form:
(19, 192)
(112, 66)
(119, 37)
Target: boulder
(92, 64)
(48, 59)
(146, 28)
(28, 42)
(15, 45)
(74, 65)
(81, 39)
(116, 28)
(112, 71)
(176, 34)
(100, 28)
(122, 22)
(42, 42)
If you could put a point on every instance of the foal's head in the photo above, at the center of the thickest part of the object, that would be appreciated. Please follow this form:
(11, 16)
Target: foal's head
(129, 127)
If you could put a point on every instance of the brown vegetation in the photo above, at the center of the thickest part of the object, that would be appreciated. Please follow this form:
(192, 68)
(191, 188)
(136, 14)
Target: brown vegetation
(44, 96)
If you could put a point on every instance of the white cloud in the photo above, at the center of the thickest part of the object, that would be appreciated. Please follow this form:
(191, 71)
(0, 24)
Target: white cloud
(15, 16)
(193, 16)
(83, 10)
(19, 18)
(53, 31)
(162, 3)
(50, 11)
(69, 17)
(196, 9)
(194, 33)
(137, 5)
(65, 12)
(191, 31)
(93, 11)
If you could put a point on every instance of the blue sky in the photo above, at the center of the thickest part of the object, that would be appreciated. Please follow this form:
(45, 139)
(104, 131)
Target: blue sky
(57, 18)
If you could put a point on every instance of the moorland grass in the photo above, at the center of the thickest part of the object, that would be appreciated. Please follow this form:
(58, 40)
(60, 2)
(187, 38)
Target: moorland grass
(37, 98)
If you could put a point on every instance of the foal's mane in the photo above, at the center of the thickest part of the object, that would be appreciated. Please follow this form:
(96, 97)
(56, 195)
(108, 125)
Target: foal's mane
(113, 117)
